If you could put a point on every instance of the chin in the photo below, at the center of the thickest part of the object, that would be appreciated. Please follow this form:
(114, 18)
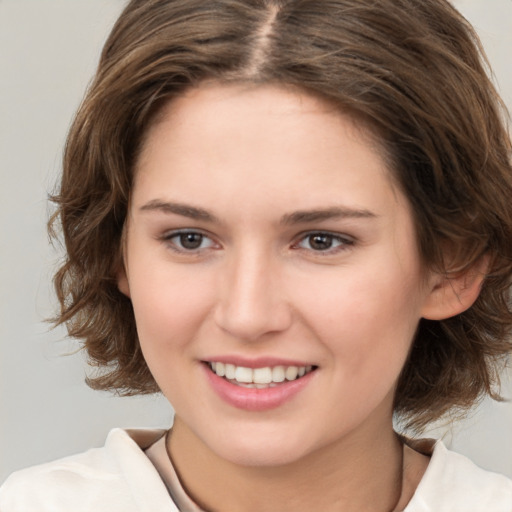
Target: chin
(259, 449)
(261, 456)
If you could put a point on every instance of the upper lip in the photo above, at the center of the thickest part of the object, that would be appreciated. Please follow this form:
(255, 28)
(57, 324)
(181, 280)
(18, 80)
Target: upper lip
(257, 362)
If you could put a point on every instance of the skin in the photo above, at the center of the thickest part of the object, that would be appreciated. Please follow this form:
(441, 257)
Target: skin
(251, 156)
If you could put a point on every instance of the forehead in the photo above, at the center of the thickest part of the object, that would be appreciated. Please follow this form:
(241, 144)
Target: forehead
(212, 104)
(239, 139)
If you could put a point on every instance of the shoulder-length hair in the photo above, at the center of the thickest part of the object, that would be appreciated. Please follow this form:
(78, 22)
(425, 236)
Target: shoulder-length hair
(412, 70)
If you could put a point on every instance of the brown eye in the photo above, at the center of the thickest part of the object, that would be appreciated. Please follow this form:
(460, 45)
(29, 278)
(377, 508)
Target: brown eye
(188, 241)
(191, 241)
(320, 242)
(328, 243)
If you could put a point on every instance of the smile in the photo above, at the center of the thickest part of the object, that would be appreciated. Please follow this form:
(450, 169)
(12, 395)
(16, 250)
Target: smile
(258, 388)
(259, 378)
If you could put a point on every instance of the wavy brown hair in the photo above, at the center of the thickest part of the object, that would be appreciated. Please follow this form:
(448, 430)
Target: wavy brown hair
(412, 70)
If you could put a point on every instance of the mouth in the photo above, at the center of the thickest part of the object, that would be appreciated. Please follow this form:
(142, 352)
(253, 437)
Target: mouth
(258, 378)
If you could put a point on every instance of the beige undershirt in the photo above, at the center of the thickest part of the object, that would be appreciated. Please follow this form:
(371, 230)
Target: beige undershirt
(157, 454)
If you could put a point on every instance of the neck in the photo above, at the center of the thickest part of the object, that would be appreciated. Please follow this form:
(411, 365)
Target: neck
(363, 471)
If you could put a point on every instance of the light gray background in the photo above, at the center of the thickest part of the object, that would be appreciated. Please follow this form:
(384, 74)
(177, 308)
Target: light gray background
(48, 53)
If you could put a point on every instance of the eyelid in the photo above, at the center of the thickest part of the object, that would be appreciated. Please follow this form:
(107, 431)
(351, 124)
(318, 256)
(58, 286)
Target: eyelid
(169, 235)
(181, 231)
(347, 242)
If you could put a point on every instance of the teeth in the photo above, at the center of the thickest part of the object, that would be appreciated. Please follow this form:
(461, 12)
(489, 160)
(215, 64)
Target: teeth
(229, 371)
(220, 369)
(262, 375)
(243, 375)
(291, 373)
(259, 377)
(278, 374)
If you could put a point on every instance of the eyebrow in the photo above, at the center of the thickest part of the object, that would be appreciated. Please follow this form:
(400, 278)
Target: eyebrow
(298, 217)
(333, 213)
(185, 210)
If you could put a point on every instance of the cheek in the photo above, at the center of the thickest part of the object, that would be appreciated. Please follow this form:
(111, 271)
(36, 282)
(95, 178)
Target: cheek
(367, 318)
(169, 305)
(169, 308)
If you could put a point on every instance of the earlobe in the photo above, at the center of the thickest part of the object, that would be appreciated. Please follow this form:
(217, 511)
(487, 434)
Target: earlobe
(454, 293)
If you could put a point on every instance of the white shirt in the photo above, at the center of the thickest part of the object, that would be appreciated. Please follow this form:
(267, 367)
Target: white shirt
(122, 477)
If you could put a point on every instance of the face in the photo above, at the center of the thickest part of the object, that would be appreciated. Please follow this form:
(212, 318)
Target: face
(273, 271)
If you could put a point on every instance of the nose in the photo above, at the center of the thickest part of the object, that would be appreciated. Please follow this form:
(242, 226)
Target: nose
(252, 301)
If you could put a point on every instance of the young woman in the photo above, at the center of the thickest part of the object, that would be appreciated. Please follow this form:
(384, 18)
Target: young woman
(293, 219)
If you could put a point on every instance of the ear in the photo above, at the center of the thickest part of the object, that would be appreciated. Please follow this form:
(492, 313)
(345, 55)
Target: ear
(454, 292)
(123, 284)
(122, 281)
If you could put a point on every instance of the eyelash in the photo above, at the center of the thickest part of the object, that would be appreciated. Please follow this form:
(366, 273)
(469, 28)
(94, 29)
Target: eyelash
(168, 239)
(343, 242)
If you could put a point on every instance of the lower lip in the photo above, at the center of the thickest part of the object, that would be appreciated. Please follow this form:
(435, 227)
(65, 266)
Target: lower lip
(254, 399)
